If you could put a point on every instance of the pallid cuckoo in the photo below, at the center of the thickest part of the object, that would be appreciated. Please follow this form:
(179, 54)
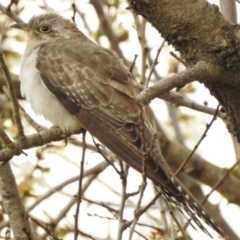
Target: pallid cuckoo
(77, 84)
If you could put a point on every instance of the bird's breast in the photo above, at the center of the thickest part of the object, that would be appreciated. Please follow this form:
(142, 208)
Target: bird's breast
(42, 101)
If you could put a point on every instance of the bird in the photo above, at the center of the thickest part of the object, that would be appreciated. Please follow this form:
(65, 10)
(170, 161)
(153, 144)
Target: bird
(78, 85)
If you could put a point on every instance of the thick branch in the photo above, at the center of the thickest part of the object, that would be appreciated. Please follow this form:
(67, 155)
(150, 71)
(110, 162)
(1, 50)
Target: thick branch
(13, 204)
(200, 32)
(106, 26)
(34, 140)
(199, 71)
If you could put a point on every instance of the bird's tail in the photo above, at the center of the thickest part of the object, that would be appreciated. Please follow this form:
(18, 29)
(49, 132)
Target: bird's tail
(126, 142)
(185, 201)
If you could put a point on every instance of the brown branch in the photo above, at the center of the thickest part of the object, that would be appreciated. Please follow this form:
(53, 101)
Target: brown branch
(67, 207)
(107, 26)
(200, 169)
(93, 171)
(155, 62)
(74, 12)
(33, 123)
(133, 63)
(123, 199)
(184, 163)
(179, 226)
(86, 235)
(179, 80)
(144, 177)
(106, 157)
(144, 50)
(79, 195)
(9, 13)
(12, 96)
(34, 140)
(220, 181)
(144, 209)
(212, 209)
(180, 100)
(46, 229)
(13, 205)
(110, 209)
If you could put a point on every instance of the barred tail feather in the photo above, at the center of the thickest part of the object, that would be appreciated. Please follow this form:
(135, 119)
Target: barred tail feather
(190, 206)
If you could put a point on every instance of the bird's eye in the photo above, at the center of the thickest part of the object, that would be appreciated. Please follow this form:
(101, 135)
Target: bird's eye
(45, 29)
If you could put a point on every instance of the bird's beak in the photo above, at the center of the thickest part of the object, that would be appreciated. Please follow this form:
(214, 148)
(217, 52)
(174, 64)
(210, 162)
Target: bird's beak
(22, 26)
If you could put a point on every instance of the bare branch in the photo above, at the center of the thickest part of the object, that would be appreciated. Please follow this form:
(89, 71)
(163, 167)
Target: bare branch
(184, 163)
(13, 205)
(79, 195)
(179, 80)
(122, 202)
(106, 26)
(9, 13)
(12, 96)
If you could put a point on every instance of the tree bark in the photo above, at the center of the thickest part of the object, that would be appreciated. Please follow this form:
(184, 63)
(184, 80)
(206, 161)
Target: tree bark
(200, 32)
(13, 205)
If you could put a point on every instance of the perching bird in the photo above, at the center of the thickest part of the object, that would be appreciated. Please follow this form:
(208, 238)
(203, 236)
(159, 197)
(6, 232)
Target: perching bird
(76, 84)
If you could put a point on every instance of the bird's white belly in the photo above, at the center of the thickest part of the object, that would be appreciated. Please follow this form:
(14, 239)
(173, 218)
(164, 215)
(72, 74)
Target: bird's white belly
(42, 101)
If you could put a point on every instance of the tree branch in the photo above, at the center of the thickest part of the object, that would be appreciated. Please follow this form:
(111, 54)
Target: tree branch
(13, 205)
(199, 71)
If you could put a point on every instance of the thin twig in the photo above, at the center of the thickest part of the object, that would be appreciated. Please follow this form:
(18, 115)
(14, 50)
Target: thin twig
(198, 143)
(155, 62)
(10, 14)
(140, 234)
(218, 183)
(46, 6)
(94, 170)
(82, 16)
(46, 229)
(144, 178)
(178, 99)
(167, 229)
(5, 139)
(133, 63)
(110, 162)
(144, 50)
(16, 114)
(70, 204)
(86, 235)
(179, 226)
(122, 202)
(99, 216)
(13, 205)
(178, 58)
(106, 26)
(74, 12)
(150, 226)
(172, 112)
(84, 147)
(10, 5)
(33, 123)
(105, 205)
(144, 209)
(133, 193)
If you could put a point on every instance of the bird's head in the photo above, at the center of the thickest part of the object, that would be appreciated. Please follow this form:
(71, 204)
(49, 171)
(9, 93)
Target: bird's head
(48, 27)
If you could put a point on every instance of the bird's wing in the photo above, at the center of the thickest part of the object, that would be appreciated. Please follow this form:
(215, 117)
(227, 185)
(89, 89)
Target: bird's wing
(94, 85)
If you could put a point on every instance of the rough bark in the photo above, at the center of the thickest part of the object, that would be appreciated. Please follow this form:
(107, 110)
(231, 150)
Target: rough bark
(200, 32)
